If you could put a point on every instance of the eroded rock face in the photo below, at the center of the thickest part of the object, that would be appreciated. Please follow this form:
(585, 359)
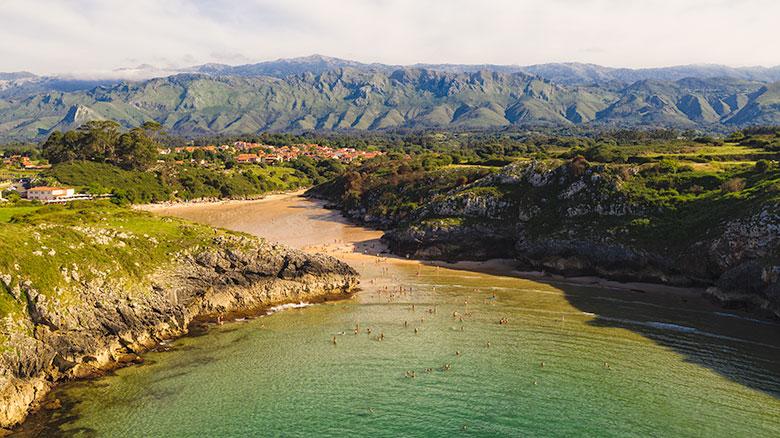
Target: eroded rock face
(110, 321)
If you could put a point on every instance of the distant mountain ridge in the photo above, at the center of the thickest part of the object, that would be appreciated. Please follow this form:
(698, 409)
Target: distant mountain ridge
(570, 73)
(331, 94)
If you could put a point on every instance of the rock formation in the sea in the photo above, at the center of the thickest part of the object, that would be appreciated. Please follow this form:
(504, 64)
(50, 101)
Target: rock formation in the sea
(107, 323)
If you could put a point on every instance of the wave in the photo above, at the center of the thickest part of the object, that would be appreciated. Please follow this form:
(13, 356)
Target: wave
(667, 326)
(731, 315)
(281, 307)
(670, 326)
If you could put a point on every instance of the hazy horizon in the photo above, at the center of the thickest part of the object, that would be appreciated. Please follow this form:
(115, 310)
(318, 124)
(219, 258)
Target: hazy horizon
(90, 37)
(125, 71)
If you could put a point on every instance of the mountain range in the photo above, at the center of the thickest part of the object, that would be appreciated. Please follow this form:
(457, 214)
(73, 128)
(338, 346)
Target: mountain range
(325, 93)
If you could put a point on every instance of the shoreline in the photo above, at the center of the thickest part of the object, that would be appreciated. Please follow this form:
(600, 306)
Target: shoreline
(502, 267)
(508, 266)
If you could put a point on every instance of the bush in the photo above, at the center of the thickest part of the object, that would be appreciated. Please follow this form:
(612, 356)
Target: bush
(733, 185)
(762, 166)
(668, 166)
(642, 222)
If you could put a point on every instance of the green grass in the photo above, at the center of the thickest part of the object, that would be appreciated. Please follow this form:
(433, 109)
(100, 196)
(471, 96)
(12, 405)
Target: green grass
(177, 181)
(444, 222)
(7, 173)
(40, 244)
(281, 178)
(6, 213)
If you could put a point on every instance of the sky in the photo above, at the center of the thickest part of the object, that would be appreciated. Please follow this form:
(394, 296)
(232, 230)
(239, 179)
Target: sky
(97, 36)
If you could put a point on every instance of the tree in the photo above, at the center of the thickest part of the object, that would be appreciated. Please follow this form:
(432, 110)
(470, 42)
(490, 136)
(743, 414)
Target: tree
(102, 141)
(198, 155)
(136, 150)
(99, 139)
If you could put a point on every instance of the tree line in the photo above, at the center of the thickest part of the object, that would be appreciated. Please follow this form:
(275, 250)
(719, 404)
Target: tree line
(103, 141)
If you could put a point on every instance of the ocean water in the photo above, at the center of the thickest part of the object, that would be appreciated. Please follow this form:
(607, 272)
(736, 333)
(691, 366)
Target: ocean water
(571, 360)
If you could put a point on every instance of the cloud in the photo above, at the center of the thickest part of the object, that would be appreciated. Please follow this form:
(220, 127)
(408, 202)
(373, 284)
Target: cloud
(49, 36)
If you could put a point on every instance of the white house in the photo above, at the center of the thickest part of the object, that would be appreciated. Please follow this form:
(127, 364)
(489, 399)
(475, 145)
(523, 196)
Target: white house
(49, 193)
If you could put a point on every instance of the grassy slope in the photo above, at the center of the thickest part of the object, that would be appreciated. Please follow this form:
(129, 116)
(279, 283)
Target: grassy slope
(180, 181)
(44, 244)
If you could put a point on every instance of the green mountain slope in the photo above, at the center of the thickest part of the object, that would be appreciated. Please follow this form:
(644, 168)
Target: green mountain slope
(366, 99)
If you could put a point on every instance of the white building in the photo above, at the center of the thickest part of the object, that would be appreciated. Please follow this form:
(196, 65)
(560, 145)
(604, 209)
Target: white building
(49, 193)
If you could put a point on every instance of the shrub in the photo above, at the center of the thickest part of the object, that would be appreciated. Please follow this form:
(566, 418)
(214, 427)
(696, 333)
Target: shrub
(668, 166)
(641, 222)
(762, 165)
(733, 185)
(578, 165)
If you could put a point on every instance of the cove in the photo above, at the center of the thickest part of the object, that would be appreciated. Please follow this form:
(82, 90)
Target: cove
(572, 359)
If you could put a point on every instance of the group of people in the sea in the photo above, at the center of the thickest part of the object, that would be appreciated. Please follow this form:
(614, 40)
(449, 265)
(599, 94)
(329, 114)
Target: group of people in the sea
(392, 293)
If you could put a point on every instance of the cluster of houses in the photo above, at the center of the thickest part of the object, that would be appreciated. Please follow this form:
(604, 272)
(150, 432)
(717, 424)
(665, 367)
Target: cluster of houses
(23, 162)
(245, 153)
(191, 149)
(248, 153)
(271, 154)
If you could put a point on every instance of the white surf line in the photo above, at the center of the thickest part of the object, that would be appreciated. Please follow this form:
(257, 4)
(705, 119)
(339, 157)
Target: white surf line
(282, 307)
(665, 326)
(731, 315)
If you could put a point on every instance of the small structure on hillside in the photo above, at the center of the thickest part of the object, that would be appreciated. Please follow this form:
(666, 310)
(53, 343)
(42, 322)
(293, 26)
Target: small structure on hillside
(48, 194)
(247, 158)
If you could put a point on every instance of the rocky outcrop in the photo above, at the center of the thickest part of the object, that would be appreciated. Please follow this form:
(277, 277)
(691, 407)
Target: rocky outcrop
(452, 241)
(111, 321)
(574, 219)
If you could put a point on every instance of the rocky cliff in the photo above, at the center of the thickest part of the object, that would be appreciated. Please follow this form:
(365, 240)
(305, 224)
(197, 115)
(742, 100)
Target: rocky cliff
(576, 219)
(662, 222)
(105, 322)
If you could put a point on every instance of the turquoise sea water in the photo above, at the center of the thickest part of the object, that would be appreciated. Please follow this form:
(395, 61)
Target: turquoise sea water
(571, 361)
